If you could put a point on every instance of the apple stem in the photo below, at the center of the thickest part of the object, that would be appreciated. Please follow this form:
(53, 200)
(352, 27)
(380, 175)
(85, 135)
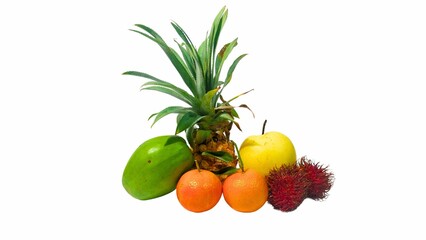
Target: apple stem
(264, 125)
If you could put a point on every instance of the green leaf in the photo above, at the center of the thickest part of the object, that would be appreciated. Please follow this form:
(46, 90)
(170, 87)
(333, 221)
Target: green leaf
(224, 116)
(207, 101)
(141, 74)
(204, 58)
(188, 120)
(222, 155)
(172, 90)
(202, 135)
(207, 48)
(152, 34)
(222, 56)
(228, 107)
(192, 51)
(182, 94)
(239, 95)
(179, 117)
(229, 75)
(176, 60)
(188, 58)
(226, 171)
(216, 29)
(190, 136)
(167, 111)
(200, 81)
(185, 38)
(240, 161)
(234, 113)
(232, 68)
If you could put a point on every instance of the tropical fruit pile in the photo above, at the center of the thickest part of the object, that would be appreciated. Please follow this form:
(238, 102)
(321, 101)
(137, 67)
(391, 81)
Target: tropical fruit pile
(200, 160)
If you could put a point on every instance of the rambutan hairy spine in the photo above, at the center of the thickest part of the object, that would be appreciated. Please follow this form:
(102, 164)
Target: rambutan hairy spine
(320, 177)
(287, 187)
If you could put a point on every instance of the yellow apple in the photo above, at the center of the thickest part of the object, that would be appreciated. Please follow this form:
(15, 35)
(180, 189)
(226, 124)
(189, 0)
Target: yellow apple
(266, 151)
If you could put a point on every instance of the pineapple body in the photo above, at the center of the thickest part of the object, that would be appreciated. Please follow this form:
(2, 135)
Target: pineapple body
(217, 142)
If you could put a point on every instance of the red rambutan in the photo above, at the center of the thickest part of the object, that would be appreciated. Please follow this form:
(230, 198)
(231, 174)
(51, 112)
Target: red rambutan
(320, 178)
(287, 187)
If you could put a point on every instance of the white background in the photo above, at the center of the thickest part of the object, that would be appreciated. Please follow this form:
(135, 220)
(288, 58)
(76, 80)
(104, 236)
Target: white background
(343, 79)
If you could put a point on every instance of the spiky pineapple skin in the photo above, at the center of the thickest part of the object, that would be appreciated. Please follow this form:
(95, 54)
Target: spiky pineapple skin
(217, 142)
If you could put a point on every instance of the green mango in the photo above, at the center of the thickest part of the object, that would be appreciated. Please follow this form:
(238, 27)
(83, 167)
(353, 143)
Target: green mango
(155, 167)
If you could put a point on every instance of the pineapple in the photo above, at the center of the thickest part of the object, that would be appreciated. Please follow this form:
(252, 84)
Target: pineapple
(207, 118)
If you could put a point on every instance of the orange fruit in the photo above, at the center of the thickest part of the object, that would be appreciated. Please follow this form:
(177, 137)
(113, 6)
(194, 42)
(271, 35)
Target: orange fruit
(199, 190)
(245, 191)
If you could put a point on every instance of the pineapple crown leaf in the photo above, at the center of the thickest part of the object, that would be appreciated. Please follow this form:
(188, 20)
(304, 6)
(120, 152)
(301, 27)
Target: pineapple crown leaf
(173, 56)
(192, 60)
(165, 87)
(187, 120)
(229, 75)
(168, 110)
(222, 155)
(228, 107)
(225, 105)
(222, 56)
(207, 102)
(232, 68)
(239, 95)
(200, 70)
(171, 90)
